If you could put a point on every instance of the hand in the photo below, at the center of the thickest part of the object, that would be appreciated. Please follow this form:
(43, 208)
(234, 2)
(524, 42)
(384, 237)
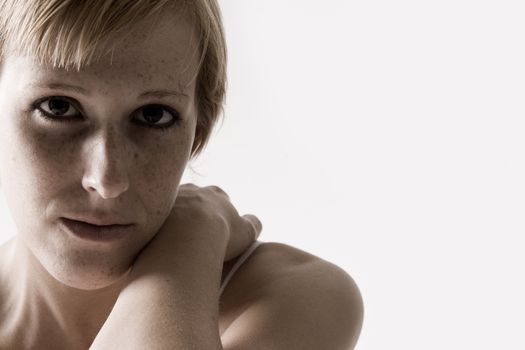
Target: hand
(201, 218)
(172, 291)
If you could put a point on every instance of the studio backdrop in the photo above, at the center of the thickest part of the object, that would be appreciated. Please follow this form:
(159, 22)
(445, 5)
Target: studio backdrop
(386, 137)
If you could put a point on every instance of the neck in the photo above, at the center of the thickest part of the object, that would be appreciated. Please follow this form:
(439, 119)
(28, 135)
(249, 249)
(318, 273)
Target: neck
(43, 308)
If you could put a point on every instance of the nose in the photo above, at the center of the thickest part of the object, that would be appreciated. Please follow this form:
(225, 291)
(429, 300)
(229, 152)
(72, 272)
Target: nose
(106, 166)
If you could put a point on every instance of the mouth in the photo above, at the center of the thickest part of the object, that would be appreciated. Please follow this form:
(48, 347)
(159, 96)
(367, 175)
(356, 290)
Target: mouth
(95, 233)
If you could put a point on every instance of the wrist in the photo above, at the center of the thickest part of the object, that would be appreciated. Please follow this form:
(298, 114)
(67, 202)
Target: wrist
(173, 251)
(189, 264)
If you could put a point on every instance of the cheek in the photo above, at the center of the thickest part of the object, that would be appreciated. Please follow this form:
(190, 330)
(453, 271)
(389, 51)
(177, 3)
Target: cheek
(42, 165)
(26, 161)
(160, 173)
(27, 180)
(43, 161)
(54, 157)
(170, 153)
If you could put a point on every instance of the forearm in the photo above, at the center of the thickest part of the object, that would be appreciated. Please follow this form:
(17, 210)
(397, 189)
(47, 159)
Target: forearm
(176, 307)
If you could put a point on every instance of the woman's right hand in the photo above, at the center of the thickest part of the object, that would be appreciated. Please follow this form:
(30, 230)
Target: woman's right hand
(201, 218)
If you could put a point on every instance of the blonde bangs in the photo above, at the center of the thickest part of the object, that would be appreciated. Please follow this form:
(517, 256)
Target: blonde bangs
(71, 33)
(75, 33)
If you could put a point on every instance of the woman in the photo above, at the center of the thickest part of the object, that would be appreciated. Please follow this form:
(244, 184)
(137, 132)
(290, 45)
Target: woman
(81, 149)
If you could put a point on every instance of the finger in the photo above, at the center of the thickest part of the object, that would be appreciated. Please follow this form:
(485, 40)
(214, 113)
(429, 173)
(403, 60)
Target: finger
(218, 190)
(188, 185)
(255, 224)
(243, 234)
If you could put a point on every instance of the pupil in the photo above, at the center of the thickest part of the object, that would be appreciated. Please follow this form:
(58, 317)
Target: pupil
(58, 106)
(155, 116)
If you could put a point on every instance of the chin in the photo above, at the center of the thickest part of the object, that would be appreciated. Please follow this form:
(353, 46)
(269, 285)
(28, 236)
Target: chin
(77, 266)
(86, 273)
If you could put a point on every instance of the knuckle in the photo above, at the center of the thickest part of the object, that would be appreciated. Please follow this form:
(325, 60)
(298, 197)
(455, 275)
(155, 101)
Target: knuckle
(217, 189)
(258, 225)
(188, 186)
(254, 223)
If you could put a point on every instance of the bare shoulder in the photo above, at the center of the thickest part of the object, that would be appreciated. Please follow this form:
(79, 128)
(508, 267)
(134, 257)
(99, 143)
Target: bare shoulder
(280, 269)
(268, 262)
(272, 261)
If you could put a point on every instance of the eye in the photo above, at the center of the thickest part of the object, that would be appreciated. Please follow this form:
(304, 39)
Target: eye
(56, 107)
(152, 114)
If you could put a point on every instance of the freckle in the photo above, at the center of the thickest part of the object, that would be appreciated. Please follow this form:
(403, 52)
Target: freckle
(42, 137)
(77, 134)
(136, 155)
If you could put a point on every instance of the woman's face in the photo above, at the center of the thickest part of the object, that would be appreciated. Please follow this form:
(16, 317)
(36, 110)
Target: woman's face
(103, 153)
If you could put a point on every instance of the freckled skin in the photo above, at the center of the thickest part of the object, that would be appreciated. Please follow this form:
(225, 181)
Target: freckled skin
(103, 162)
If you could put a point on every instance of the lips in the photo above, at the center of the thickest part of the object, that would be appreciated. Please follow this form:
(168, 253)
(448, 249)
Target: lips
(96, 233)
(99, 219)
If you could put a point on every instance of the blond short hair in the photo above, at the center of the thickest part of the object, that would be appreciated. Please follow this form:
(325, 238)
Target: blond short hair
(67, 33)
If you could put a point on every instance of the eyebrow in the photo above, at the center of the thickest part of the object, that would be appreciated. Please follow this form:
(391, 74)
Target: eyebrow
(151, 93)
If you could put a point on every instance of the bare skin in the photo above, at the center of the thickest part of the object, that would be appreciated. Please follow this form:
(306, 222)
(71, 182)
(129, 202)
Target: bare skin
(272, 271)
(55, 291)
(109, 159)
(268, 262)
(18, 328)
(36, 326)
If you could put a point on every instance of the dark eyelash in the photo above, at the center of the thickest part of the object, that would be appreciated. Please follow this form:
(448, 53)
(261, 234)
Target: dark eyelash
(35, 106)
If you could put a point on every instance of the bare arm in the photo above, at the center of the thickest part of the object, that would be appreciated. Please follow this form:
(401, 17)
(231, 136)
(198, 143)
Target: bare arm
(172, 309)
(172, 298)
(172, 301)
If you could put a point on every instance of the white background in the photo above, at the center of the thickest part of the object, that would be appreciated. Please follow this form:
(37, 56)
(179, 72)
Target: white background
(388, 138)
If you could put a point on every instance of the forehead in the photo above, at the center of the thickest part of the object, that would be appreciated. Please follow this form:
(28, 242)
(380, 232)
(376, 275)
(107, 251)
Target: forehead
(164, 51)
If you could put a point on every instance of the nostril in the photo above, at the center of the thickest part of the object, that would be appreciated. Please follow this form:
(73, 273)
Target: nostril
(106, 189)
